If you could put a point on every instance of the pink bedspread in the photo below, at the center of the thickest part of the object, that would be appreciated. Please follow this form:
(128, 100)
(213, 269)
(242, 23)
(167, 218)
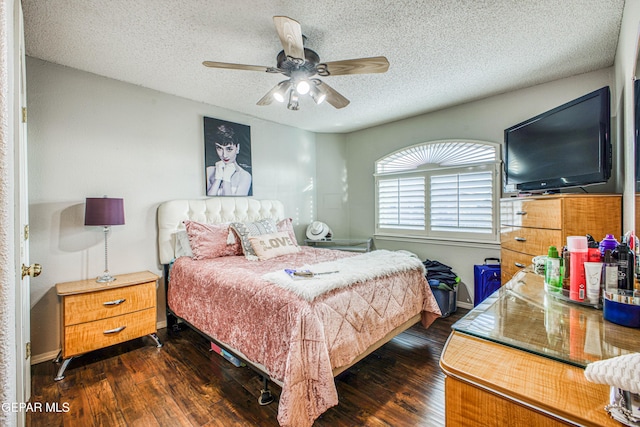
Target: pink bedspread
(299, 342)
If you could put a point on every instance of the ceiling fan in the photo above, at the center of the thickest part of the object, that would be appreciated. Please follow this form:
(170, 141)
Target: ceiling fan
(300, 65)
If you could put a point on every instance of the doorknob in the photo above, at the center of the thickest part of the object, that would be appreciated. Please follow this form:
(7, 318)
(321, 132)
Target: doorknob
(33, 270)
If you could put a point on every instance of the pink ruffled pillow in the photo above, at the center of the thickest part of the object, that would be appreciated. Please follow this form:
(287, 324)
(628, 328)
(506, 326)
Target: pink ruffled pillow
(211, 240)
(286, 225)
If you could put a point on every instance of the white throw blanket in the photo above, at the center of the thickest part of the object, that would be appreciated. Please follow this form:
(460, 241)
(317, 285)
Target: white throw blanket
(345, 272)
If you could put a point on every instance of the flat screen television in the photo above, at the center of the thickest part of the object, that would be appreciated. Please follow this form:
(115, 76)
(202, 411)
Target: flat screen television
(568, 146)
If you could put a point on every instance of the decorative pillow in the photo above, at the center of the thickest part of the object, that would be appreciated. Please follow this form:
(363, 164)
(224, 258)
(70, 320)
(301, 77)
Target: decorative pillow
(210, 240)
(286, 225)
(183, 248)
(244, 230)
(268, 246)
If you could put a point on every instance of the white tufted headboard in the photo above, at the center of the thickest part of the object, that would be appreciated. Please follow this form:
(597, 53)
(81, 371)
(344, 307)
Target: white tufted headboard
(212, 210)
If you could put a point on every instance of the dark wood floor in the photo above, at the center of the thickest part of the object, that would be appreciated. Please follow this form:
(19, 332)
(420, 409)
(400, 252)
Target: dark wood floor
(185, 384)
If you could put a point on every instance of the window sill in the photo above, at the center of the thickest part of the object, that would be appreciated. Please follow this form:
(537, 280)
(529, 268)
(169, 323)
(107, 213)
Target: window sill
(439, 241)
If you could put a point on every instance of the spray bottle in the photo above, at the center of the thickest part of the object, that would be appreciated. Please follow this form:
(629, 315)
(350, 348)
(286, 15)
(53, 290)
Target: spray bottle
(577, 246)
(552, 277)
(625, 259)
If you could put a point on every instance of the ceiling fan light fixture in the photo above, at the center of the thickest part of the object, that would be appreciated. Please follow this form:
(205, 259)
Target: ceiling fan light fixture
(302, 87)
(317, 94)
(281, 92)
(293, 101)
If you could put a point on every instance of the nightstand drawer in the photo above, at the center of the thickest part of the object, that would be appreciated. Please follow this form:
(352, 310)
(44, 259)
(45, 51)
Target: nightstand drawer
(86, 337)
(87, 307)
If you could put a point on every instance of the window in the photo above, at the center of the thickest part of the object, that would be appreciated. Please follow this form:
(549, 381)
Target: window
(441, 189)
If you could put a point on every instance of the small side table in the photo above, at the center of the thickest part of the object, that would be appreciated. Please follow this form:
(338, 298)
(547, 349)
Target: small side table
(97, 315)
(351, 245)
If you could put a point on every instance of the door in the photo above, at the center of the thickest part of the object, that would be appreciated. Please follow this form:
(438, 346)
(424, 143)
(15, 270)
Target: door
(23, 268)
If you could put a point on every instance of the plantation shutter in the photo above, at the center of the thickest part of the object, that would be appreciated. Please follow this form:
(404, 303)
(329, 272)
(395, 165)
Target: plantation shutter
(401, 203)
(462, 202)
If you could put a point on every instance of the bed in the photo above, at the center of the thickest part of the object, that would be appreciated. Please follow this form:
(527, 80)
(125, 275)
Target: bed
(298, 332)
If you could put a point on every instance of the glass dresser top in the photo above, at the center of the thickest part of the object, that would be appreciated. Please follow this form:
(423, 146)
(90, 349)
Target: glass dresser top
(521, 315)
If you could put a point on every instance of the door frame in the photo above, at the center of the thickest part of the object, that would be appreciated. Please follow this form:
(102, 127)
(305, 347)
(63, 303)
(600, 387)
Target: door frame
(17, 93)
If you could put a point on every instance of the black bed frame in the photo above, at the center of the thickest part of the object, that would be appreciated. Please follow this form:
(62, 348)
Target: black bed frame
(174, 323)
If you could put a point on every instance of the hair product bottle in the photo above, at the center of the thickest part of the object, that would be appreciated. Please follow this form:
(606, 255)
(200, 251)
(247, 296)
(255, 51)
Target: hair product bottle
(593, 250)
(609, 242)
(625, 260)
(577, 246)
(566, 272)
(610, 273)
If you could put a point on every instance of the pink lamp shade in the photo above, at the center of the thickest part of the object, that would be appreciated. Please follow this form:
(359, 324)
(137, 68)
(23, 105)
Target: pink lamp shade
(104, 211)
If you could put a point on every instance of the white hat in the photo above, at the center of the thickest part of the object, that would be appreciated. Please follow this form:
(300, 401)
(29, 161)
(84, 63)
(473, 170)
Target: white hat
(318, 230)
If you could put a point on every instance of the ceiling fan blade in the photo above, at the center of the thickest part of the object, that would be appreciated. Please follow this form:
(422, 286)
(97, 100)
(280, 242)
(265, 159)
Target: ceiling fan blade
(268, 98)
(333, 96)
(290, 34)
(229, 66)
(376, 64)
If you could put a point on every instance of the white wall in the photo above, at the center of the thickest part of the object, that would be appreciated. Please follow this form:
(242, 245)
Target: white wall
(333, 192)
(625, 67)
(484, 120)
(90, 136)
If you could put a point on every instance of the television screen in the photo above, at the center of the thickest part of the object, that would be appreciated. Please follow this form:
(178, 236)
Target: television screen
(568, 146)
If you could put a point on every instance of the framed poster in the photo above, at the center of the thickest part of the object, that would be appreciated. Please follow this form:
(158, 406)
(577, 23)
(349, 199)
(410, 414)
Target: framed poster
(227, 158)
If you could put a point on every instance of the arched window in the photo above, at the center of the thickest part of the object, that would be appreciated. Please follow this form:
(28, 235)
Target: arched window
(441, 189)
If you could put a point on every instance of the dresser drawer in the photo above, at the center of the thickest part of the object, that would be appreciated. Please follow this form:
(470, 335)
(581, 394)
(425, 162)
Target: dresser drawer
(530, 241)
(532, 213)
(511, 262)
(87, 307)
(85, 337)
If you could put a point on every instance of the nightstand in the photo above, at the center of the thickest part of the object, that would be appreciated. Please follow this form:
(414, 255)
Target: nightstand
(351, 245)
(97, 315)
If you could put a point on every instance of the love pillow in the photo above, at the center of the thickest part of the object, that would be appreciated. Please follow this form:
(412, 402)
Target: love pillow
(267, 246)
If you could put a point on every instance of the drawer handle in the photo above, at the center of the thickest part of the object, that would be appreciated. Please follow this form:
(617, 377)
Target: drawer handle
(114, 331)
(519, 265)
(520, 239)
(115, 302)
(521, 213)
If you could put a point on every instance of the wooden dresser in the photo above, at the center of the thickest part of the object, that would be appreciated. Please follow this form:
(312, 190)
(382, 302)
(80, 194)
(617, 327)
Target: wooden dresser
(518, 358)
(529, 225)
(97, 315)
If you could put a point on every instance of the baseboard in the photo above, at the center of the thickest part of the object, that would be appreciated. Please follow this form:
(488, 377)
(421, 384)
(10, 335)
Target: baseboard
(51, 355)
(44, 357)
(464, 304)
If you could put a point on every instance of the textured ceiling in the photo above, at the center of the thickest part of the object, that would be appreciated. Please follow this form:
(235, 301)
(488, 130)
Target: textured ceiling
(441, 52)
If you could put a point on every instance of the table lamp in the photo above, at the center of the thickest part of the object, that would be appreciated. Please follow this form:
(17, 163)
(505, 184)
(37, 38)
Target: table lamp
(104, 212)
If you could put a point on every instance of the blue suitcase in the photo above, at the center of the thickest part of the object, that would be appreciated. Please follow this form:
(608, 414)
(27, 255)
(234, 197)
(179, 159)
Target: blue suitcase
(486, 279)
